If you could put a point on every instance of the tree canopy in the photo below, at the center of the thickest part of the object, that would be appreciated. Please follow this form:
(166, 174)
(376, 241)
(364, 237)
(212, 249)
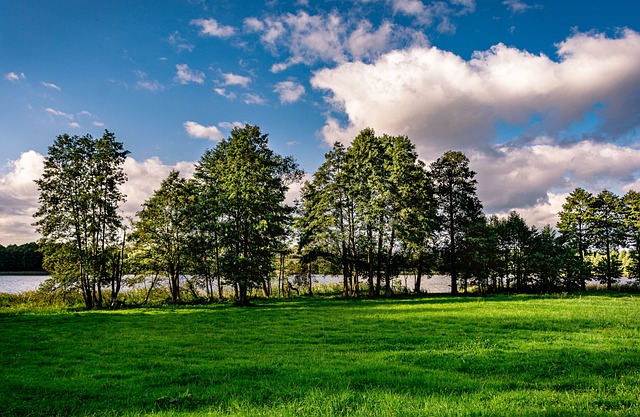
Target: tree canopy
(373, 211)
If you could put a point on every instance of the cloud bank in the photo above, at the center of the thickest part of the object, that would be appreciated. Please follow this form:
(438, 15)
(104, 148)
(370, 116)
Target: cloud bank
(442, 101)
(19, 193)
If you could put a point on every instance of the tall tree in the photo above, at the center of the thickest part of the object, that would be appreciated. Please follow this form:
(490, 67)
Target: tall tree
(325, 222)
(607, 232)
(410, 204)
(631, 201)
(458, 205)
(79, 199)
(251, 181)
(162, 230)
(575, 221)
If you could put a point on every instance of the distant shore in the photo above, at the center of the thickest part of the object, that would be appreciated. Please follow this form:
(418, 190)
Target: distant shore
(18, 273)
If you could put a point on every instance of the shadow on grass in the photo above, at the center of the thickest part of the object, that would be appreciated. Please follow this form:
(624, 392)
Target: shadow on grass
(216, 357)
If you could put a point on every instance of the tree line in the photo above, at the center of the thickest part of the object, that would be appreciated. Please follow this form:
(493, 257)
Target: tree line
(20, 258)
(371, 212)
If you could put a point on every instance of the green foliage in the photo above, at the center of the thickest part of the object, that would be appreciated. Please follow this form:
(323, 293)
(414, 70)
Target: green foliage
(20, 258)
(245, 184)
(309, 357)
(366, 204)
(78, 212)
(161, 233)
(459, 208)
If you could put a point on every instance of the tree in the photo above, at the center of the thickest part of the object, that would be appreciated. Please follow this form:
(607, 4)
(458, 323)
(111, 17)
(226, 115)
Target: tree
(607, 232)
(575, 222)
(79, 200)
(458, 206)
(162, 229)
(326, 217)
(411, 204)
(631, 202)
(250, 182)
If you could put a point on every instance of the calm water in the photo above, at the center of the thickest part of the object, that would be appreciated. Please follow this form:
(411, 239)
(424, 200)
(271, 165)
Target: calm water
(14, 284)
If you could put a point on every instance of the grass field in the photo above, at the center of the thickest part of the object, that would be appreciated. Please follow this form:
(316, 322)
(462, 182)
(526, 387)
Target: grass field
(431, 356)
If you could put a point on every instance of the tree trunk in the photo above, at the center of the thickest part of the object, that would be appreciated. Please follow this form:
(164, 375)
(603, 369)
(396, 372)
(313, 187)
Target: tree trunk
(372, 292)
(452, 248)
(418, 284)
(387, 277)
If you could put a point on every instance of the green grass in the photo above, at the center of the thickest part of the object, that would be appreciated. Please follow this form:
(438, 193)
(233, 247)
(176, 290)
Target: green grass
(432, 356)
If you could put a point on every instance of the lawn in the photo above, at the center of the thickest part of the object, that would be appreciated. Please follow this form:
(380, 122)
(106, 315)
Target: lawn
(431, 356)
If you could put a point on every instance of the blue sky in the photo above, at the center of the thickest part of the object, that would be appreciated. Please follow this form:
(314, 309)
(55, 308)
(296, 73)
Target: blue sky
(543, 96)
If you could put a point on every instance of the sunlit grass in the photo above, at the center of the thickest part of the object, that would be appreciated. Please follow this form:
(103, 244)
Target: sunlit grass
(433, 356)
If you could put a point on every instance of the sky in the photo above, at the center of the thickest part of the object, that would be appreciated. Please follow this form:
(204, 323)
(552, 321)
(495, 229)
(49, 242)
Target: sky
(542, 96)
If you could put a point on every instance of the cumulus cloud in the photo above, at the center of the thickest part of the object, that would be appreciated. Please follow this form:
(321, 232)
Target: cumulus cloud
(443, 101)
(532, 179)
(14, 77)
(234, 79)
(326, 37)
(19, 193)
(211, 27)
(19, 198)
(186, 75)
(144, 177)
(289, 91)
(196, 130)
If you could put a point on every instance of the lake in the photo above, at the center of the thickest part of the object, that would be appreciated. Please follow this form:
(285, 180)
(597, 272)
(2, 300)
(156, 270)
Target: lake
(436, 284)
(14, 284)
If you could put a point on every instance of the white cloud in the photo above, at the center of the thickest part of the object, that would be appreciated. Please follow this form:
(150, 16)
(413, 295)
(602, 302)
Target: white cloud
(230, 125)
(442, 101)
(223, 92)
(14, 77)
(19, 193)
(252, 99)
(289, 91)
(179, 43)
(58, 113)
(97, 123)
(74, 125)
(50, 85)
(145, 177)
(518, 6)
(19, 198)
(428, 14)
(327, 37)
(199, 131)
(532, 178)
(365, 42)
(234, 79)
(210, 27)
(252, 24)
(149, 85)
(185, 75)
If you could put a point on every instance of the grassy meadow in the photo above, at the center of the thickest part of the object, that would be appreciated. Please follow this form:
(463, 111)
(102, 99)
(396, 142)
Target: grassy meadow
(428, 356)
